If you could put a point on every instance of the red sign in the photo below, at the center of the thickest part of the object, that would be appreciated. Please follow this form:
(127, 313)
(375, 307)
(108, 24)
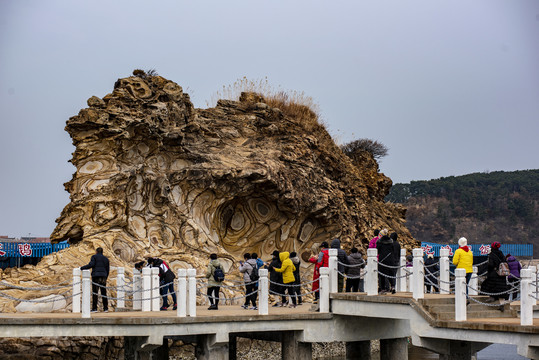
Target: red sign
(25, 250)
(448, 248)
(485, 249)
(2, 253)
(427, 249)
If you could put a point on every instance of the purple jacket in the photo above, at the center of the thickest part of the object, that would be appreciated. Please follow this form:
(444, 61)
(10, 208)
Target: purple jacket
(514, 267)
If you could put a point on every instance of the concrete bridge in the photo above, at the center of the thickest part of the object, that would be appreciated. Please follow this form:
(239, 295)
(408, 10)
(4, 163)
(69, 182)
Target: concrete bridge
(442, 323)
(355, 318)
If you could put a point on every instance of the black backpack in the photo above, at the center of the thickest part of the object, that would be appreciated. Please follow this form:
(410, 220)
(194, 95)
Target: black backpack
(218, 274)
(254, 273)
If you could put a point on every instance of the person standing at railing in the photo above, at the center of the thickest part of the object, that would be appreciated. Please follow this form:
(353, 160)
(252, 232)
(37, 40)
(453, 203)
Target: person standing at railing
(287, 268)
(385, 246)
(276, 279)
(321, 261)
(342, 259)
(354, 282)
(297, 279)
(215, 274)
(463, 259)
(166, 282)
(100, 266)
(514, 277)
(495, 285)
(372, 243)
(246, 268)
(431, 268)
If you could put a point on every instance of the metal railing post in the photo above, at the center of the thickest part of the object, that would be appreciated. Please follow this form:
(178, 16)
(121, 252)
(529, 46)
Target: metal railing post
(371, 277)
(526, 301)
(473, 282)
(444, 271)
(333, 280)
(419, 274)
(156, 301)
(146, 289)
(76, 290)
(182, 293)
(533, 288)
(263, 288)
(192, 292)
(324, 290)
(460, 294)
(401, 272)
(120, 283)
(137, 290)
(86, 293)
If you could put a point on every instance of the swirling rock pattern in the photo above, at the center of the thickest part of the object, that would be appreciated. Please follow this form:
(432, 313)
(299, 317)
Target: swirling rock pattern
(155, 176)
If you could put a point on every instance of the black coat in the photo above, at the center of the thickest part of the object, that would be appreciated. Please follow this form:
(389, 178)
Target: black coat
(99, 264)
(386, 247)
(495, 283)
(386, 251)
(274, 276)
(166, 275)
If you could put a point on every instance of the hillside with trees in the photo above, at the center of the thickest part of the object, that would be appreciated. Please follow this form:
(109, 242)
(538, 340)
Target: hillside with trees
(483, 207)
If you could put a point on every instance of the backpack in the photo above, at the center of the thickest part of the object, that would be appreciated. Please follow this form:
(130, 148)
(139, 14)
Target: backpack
(218, 274)
(254, 273)
(503, 269)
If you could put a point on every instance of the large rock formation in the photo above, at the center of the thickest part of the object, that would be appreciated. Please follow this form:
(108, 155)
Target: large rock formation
(155, 176)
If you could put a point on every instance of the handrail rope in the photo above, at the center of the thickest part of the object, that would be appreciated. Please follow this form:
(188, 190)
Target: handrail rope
(469, 297)
(510, 291)
(128, 298)
(431, 283)
(42, 288)
(351, 277)
(390, 266)
(354, 265)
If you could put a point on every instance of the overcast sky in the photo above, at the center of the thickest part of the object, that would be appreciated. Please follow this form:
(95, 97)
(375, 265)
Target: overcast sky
(450, 87)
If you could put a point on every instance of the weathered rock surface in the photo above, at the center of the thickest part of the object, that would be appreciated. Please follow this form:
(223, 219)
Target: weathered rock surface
(155, 176)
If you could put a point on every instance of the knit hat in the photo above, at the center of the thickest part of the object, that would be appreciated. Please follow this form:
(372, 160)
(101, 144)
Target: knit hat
(384, 232)
(495, 245)
(463, 242)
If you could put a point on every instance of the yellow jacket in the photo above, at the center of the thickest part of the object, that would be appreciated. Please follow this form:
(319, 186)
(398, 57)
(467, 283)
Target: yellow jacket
(287, 267)
(463, 259)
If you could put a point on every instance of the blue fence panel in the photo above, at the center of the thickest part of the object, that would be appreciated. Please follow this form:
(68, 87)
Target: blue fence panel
(480, 249)
(11, 249)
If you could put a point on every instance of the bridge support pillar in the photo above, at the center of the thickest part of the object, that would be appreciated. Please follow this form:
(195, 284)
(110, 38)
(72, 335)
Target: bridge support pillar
(360, 350)
(208, 349)
(134, 349)
(292, 349)
(233, 346)
(394, 349)
(459, 350)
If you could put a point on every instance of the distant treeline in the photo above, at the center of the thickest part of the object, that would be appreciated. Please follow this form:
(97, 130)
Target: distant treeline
(511, 194)
(499, 205)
